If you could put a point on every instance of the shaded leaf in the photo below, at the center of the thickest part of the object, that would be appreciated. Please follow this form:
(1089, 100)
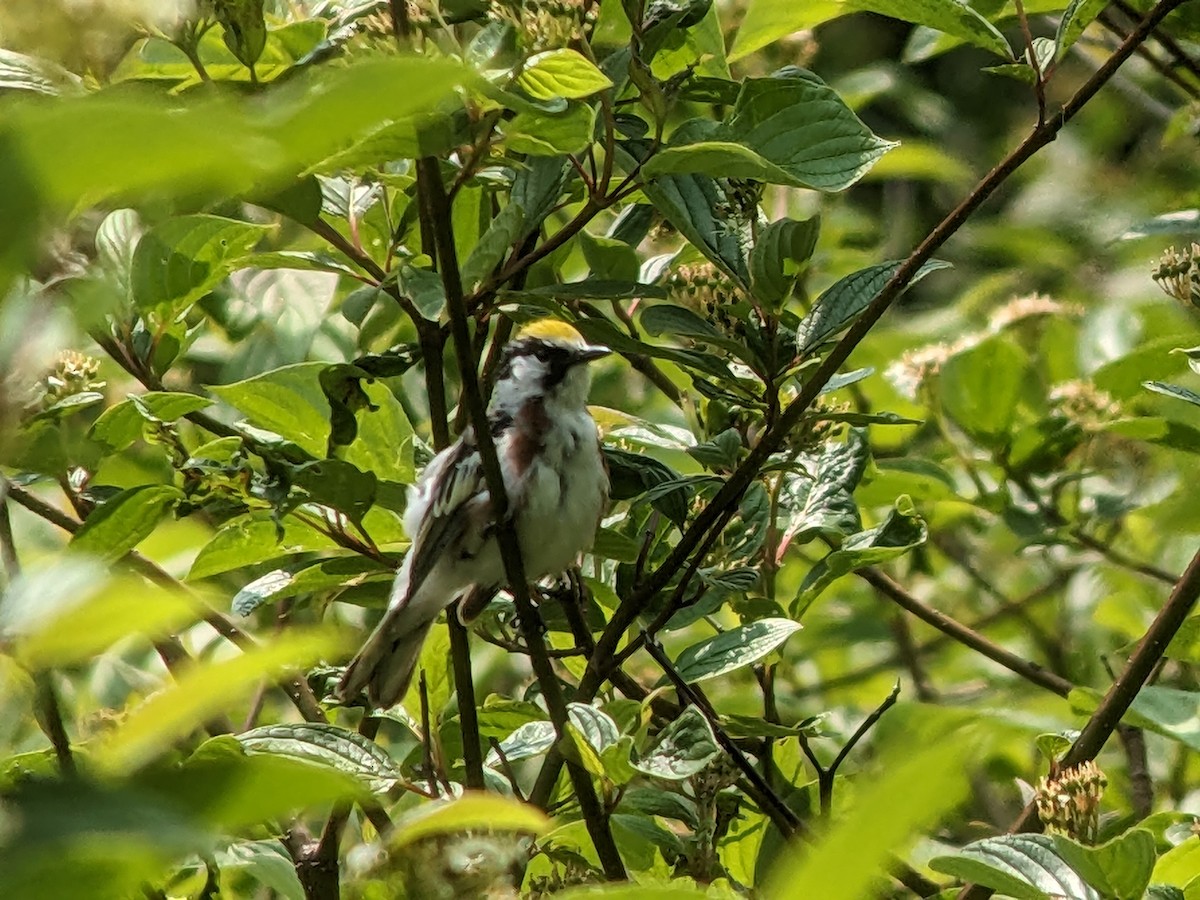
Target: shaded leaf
(788, 129)
(902, 530)
(842, 303)
(1024, 866)
(178, 262)
(734, 649)
(684, 748)
(288, 401)
(124, 521)
(327, 745)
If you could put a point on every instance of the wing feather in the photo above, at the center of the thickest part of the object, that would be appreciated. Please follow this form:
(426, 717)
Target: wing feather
(453, 488)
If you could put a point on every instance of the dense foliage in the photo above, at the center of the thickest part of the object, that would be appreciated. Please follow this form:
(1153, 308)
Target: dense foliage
(873, 589)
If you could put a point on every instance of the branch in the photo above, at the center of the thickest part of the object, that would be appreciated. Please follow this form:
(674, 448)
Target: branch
(1030, 671)
(827, 775)
(1121, 694)
(595, 817)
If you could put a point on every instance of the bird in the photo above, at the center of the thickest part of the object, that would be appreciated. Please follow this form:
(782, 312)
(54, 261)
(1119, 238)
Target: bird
(557, 484)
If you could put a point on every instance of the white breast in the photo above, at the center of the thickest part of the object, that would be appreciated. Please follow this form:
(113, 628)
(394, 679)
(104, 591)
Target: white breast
(565, 492)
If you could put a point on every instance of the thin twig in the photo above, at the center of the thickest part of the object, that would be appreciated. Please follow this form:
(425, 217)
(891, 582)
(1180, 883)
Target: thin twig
(1153, 61)
(1168, 43)
(827, 775)
(49, 712)
(1028, 670)
(468, 717)
(924, 648)
(1039, 78)
(507, 769)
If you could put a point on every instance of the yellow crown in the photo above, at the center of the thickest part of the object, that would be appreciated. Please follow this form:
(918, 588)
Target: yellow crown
(552, 330)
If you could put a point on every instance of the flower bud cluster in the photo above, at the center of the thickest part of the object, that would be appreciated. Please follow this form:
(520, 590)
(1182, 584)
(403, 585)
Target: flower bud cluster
(1083, 404)
(1031, 306)
(704, 289)
(547, 24)
(1178, 274)
(1069, 803)
(918, 366)
(73, 373)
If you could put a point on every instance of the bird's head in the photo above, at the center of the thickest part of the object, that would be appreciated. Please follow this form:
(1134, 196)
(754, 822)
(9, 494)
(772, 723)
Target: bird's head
(546, 361)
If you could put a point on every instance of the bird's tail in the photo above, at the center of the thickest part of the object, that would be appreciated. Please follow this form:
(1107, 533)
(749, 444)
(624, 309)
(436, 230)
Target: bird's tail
(385, 664)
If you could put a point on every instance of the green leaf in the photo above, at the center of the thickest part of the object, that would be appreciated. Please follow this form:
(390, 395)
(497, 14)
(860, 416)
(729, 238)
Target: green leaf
(666, 318)
(384, 442)
(596, 726)
(124, 521)
(252, 540)
(916, 784)
(200, 693)
(224, 786)
(338, 485)
(1185, 646)
(266, 862)
(781, 250)
(288, 401)
(562, 73)
(472, 811)
(1023, 866)
(64, 838)
(683, 749)
(632, 475)
(767, 21)
(1174, 391)
(1074, 21)
(505, 230)
(278, 584)
(122, 424)
(740, 727)
(96, 618)
(327, 745)
(902, 530)
(244, 29)
(1179, 866)
(260, 591)
(734, 649)
(551, 134)
(981, 387)
(156, 147)
(531, 739)
(789, 129)
(1171, 712)
(1120, 868)
(842, 303)
(608, 258)
(696, 205)
(821, 499)
(178, 262)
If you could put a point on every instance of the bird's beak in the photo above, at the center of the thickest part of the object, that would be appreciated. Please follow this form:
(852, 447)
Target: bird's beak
(590, 352)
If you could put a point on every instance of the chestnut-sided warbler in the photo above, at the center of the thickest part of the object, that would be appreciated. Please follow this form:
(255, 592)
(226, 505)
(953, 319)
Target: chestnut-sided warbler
(557, 487)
